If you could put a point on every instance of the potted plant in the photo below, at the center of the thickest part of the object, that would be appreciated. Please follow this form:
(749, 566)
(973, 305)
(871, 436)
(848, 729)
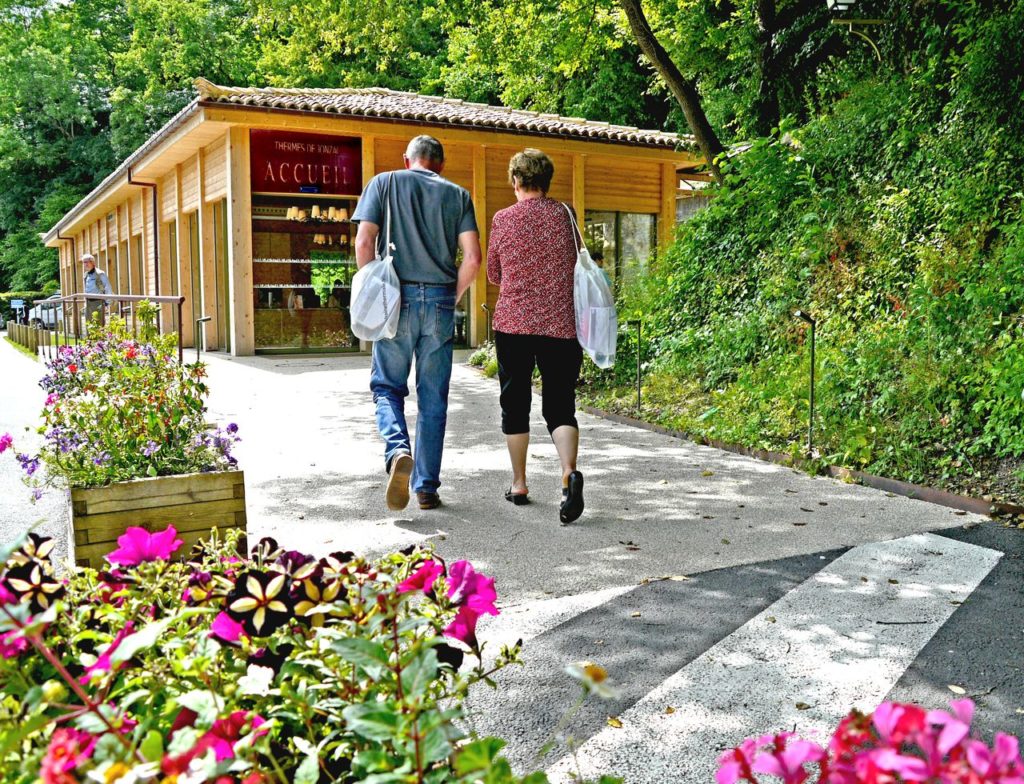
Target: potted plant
(279, 667)
(125, 428)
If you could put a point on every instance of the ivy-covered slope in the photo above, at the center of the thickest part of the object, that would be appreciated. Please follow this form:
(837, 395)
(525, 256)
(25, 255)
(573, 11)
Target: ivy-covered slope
(894, 217)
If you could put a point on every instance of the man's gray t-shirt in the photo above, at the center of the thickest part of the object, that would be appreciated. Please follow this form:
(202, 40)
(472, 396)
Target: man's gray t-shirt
(428, 213)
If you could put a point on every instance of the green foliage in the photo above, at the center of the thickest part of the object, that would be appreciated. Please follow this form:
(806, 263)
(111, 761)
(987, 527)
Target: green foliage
(894, 216)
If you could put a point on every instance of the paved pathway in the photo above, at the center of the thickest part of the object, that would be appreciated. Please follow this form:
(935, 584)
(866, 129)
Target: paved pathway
(801, 591)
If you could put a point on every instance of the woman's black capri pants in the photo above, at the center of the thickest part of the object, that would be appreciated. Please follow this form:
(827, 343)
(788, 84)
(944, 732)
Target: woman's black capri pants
(559, 360)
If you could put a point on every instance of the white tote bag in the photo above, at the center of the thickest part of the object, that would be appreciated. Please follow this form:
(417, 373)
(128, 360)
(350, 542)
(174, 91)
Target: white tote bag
(376, 292)
(597, 324)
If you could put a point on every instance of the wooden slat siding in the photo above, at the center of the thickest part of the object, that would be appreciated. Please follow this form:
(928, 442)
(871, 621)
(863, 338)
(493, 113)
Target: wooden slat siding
(184, 259)
(168, 205)
(667, 217)
(458, 159)
(128, 255)
(219, 492)
(619, 185)
(190, 184)
(499, 191)
(148, 243)
(207, 258)
(215, 170)
(239, 230)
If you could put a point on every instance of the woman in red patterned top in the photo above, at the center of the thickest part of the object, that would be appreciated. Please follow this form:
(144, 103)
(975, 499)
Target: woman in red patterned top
(531, 256)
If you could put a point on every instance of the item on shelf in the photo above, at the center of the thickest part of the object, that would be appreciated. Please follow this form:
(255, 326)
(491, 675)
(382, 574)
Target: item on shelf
(314, 212)
(332, 213)
(342, 214)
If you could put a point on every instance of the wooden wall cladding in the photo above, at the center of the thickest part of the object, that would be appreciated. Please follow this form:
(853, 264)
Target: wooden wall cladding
(622, 184)
(168, 198)
(215, 165)
(190, 185)
(458, 164)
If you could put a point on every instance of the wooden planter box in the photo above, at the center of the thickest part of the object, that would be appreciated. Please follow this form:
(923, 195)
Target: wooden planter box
(192, 503)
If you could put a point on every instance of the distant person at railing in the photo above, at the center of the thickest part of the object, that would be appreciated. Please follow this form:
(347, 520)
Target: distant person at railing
(96, 282)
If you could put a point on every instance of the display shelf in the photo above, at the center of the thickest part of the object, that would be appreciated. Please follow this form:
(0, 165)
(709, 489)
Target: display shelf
(284, 286)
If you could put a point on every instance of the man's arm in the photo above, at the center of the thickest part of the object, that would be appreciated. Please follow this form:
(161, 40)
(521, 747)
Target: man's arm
(366, 243)
(469, 241)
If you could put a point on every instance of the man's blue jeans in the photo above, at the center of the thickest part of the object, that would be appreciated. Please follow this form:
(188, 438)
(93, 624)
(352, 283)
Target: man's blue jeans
(425, 332)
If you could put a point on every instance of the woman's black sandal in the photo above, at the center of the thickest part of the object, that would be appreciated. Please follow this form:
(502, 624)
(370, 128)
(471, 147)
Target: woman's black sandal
(572, 499)
(519, 499)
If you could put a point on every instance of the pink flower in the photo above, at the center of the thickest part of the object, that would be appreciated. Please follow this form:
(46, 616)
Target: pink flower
(226, 629)
(5, 442)
(6, 597)
(463, 628)
(138, 545)
(734, 765)
(422, 579)
(103, 663)
(1002, 764)
(51, 398)
(787, 761)
(11, 645)
(68, 749)
(470, 588)
(222, 737)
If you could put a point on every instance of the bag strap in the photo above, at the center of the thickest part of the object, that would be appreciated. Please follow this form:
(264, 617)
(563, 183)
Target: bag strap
(575, 226)
(388, 247)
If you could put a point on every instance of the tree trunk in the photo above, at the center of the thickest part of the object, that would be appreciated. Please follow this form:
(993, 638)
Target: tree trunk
(767, 106)
(684, 90)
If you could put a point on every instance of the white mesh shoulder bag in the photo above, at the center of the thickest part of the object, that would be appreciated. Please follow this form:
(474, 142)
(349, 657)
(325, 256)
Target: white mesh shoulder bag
(596, 320)
(376, 291)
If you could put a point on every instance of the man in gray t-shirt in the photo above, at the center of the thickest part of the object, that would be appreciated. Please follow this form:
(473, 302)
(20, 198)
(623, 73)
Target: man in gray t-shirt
(431, 219)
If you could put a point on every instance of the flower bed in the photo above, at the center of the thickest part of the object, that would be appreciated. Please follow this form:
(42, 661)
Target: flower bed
(276, 668)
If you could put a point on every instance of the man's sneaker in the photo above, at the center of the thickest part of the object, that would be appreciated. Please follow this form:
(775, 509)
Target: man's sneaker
(397, 493)
(428, 500)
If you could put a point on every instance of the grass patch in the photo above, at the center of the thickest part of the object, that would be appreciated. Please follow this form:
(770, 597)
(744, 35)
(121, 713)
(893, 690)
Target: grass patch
(22, 349)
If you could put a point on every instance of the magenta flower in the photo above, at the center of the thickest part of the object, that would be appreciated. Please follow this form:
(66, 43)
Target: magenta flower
(68, 749)
(226, 629)
(6, 597)
(5, 442)
(1001, 764)
(787, 761)
(472, 589)
(735, 764)
(137, 545)
(463, 628)
(11, 645)
(422, 579)
(103, 663)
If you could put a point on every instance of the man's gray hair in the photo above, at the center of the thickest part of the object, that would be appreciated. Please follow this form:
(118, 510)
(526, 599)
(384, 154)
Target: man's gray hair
(88, 257)
(425, 148)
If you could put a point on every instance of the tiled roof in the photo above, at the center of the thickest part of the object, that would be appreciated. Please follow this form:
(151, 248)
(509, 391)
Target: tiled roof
(377, 102)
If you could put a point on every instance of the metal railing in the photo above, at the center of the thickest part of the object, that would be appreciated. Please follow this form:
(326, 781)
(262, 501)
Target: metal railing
(62, 322)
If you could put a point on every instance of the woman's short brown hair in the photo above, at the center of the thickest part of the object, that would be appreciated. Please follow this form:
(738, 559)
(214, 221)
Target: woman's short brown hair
(532, 168)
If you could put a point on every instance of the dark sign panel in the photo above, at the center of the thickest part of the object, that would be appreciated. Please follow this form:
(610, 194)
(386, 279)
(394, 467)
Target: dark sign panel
(305, 163)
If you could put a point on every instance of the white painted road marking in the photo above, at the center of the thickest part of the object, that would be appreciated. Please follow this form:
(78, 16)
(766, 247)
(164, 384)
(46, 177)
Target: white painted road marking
(841, 639)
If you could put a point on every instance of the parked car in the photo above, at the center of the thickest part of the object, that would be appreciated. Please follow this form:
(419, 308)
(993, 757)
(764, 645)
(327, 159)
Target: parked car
(46, 315)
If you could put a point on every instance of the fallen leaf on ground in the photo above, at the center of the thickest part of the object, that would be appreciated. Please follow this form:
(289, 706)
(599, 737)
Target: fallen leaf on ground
(634, 615)
(770, 619)
(893, 581)
(802, 706)
(804, 509)
(725, 541)
(670, 709)
(614, 721)
(956, 689)
(707, 473)
(799, 524)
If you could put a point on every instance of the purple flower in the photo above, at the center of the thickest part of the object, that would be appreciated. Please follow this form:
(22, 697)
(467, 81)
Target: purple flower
(232, 428)
(37, 493)
(101, 458)
(29, 464)
(151, 448)
(5, 442)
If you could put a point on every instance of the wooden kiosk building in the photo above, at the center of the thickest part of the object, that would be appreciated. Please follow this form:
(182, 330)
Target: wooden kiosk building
(241, 203)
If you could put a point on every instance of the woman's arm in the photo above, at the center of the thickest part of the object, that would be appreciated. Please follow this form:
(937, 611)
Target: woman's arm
(493, 256)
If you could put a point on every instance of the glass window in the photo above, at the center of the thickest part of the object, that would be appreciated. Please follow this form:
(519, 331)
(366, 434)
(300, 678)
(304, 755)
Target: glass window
(626, 239)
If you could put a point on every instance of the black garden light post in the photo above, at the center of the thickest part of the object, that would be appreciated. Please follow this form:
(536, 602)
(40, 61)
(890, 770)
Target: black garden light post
(487, 310)
(639, 326)
(806, 317)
